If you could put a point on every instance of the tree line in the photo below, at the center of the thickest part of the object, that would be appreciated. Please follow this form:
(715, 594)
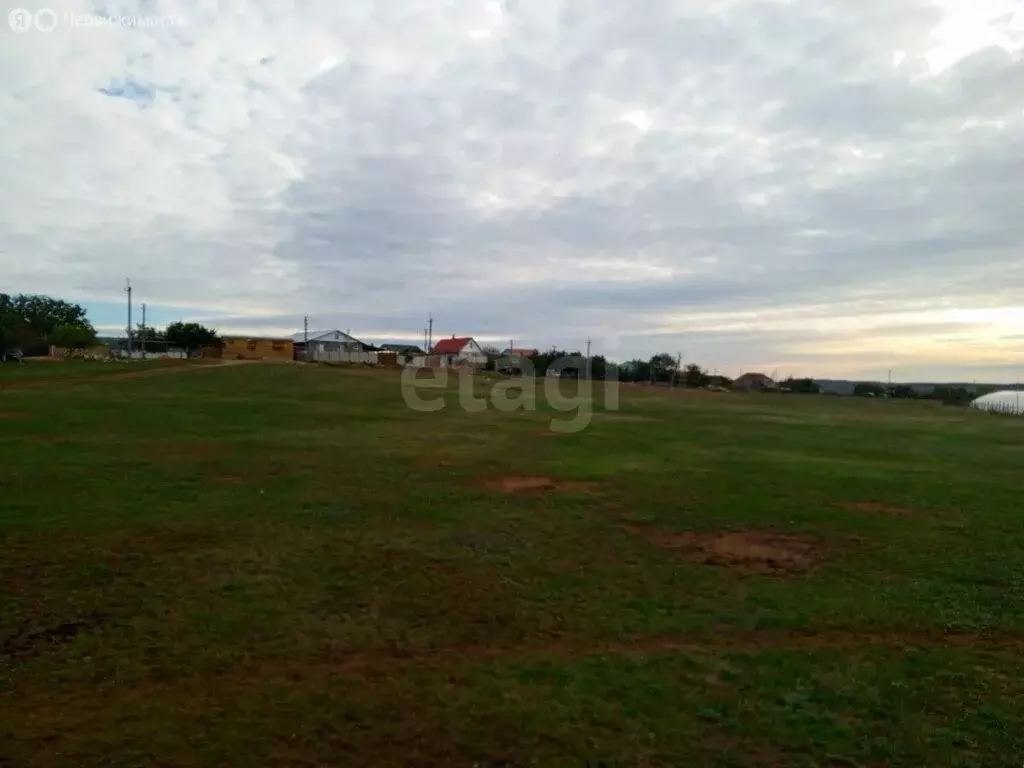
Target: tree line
(32, 320)
(29, 321)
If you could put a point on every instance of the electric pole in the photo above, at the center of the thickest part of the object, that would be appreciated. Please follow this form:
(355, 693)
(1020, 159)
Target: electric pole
(588, 358)
(305, 338)
(128, 290)
(143, 340)
(430, 331)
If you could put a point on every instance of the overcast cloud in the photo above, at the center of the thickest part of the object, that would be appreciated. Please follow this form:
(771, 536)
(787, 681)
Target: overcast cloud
(816, 186)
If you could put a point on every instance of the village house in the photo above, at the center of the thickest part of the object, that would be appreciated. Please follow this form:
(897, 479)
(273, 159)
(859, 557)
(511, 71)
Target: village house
(458, 350)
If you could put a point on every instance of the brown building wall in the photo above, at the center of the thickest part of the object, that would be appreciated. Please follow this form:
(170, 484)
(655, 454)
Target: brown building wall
(242, 348)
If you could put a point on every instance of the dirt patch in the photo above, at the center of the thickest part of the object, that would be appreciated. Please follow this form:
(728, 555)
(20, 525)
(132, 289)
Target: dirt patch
(873, 507)
(749, 551)
(35, 642)
(528, 484)
(13, 415)
(230, 479)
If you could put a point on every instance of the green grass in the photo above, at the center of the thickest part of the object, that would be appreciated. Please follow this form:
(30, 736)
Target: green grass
(284, 565)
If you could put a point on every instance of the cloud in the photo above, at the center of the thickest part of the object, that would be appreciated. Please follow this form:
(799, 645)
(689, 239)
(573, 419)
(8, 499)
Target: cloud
(546, 171)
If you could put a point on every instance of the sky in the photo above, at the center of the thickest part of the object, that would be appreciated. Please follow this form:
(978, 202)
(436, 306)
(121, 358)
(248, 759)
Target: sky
(810, 187)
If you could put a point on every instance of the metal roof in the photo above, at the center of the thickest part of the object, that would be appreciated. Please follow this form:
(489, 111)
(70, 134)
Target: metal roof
(333, 335)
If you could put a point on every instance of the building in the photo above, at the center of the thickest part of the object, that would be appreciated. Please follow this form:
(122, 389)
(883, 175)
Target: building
(402, 349)
(332, 345)
(519, 352)
(753, 381)
(257, 348)
(459, 350)
(403, 353)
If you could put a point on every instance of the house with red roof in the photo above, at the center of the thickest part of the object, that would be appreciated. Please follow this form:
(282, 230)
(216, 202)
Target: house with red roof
(459, 350)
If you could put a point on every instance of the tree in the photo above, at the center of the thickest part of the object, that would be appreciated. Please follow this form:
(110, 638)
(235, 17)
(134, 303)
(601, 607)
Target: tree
(73, 336)
(801, 386)
(191, 336)
(147, 332)
(635, 370)
(951, 395)
(27, 319)
(695, 376)
(868, 389)
(662, 366)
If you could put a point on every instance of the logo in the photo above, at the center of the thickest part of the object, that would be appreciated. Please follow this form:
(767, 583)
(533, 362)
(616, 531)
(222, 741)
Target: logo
(47, 20)
(20, 20)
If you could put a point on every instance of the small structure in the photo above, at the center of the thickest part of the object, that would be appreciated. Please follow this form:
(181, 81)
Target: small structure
(1007, 401)
(753, 381)
(519, 352)
(458, 350)
(257, 348)
(404, 353)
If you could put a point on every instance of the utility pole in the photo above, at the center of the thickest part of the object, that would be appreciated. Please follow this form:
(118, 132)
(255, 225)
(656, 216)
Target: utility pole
(675, 372)
(305, 338)
(143, 339)
(588, 358)
(430, 332)
(425, 347)
(128, 290)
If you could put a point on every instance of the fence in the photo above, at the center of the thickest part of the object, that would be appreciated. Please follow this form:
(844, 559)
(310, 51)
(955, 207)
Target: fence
(341, 356)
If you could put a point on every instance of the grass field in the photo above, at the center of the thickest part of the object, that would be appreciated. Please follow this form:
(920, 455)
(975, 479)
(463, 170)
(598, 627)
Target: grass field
(285, 565)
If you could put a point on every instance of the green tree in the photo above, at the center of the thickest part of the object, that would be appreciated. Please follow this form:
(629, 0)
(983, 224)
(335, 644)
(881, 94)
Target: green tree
(662, 366)
(32, 319)
(191, 336)
(868, 389)
(695, 376)
(635, 370)
(599, 367)
(801, 386)
(73, 336)
(147, 332)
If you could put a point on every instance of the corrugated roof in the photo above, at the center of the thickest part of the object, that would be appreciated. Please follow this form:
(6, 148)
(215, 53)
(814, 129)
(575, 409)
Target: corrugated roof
(324, 336)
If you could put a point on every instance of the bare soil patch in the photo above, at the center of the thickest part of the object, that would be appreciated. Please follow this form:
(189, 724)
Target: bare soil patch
(531, 484)
(749, 551)
(876, 508)
(30, 643)
(13, 415)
